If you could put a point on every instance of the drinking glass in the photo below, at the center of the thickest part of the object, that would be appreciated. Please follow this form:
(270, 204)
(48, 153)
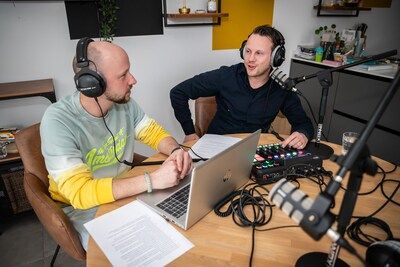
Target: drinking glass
(347, 141)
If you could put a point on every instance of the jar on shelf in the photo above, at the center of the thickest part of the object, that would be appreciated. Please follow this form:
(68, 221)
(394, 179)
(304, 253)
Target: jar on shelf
(212, 6)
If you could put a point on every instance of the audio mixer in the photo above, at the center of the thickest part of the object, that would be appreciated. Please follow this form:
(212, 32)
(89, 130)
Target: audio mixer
(272, 161)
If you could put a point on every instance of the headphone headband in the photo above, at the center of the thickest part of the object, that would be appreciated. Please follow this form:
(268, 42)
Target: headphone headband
(81, 52)
(89, 82)
(278, 54)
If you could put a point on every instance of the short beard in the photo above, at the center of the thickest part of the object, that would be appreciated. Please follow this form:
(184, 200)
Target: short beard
(118, 100)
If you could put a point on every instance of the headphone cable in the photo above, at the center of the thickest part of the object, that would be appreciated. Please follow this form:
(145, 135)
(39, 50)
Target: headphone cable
(132, 164)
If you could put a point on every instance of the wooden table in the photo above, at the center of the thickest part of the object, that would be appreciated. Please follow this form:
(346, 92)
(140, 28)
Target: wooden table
(220, 242)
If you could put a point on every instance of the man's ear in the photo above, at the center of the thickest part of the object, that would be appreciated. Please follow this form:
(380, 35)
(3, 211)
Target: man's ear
(75, 67)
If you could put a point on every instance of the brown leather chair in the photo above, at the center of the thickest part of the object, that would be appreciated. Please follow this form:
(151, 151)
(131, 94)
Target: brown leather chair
(281, 124)
(36, 184)
(206, 107)
(204, 111)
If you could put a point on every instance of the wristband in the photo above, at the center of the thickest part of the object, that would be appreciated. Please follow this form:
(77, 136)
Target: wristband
(147, 179)
(176, 148)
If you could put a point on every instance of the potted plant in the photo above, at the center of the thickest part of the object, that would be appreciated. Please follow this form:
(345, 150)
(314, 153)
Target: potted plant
(107, 16)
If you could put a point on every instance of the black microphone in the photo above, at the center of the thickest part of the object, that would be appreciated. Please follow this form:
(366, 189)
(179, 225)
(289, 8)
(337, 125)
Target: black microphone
(313, 216)
(283, 80)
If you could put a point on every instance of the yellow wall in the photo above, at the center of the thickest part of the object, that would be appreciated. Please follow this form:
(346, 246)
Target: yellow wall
(244, 15)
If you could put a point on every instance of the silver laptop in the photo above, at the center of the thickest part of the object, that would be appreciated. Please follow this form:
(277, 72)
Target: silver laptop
(208, 183)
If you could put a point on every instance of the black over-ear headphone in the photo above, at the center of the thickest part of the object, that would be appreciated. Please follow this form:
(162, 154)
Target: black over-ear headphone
(278, 55)
(383, 253)
(90, 83)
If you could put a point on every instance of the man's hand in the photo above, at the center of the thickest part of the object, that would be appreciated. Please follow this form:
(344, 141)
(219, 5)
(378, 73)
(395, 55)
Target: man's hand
(296, 140)
(174, 168)
(166, 176)
(182, 160)
(191, 137)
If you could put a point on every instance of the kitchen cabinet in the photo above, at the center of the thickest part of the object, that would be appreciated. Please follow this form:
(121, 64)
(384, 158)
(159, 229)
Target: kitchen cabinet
(352, 99)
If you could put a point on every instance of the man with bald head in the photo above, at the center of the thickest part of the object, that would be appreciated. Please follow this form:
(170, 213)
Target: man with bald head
(86, 139)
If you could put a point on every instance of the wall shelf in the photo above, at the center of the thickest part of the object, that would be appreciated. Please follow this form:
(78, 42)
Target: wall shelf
(216, 17)
(337, 7)
(349, 11)
(23, 89)
(197, 15)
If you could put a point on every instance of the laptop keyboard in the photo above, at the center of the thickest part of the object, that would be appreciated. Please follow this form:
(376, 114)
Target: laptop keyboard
(176, 204)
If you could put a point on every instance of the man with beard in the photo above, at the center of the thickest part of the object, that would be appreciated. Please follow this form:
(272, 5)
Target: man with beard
(247, 99)
(86, 138)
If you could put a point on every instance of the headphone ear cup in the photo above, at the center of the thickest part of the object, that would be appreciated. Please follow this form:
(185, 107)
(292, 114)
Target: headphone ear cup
(241, 49)
(89, 83)
(383, 253)
(278, 56)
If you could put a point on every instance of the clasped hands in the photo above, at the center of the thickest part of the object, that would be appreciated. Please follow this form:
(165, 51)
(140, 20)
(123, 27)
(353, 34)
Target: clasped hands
(174, 169)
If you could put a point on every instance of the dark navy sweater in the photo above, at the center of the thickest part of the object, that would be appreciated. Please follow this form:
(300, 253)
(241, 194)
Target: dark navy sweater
(240, 109)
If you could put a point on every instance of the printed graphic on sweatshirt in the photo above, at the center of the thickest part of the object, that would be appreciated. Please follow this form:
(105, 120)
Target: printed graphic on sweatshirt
(104, 156)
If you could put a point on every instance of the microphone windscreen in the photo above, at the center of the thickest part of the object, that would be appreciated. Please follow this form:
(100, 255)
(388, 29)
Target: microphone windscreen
(290, 200)
(278, 76)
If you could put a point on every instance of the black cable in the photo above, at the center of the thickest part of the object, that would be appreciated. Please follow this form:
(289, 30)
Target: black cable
(250, 195)
(311, 111)
(277, 135)
(391, 171)
(390, 198)
(276, 228)
(252, 246)
(132, 164)
(356, 233)
(201, 158)
(372, 190)
(113, 138)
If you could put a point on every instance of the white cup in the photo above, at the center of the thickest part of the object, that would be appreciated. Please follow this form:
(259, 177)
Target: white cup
(347, 141)
(211, 6)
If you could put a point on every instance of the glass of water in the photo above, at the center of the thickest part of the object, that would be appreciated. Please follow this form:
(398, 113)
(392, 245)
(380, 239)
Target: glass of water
(347, 141)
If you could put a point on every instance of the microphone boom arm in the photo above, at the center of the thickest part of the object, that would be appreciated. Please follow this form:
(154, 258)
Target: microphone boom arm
(325, 80)
(359, 161)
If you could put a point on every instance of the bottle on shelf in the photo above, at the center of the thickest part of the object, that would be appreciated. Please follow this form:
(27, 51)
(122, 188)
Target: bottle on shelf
(319, 51)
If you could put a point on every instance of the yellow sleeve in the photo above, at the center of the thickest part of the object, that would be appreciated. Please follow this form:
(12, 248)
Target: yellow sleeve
(81, 190)
(150, 132)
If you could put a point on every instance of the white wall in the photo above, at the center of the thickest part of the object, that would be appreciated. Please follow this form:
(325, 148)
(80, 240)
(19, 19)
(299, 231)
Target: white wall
(35, 44)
